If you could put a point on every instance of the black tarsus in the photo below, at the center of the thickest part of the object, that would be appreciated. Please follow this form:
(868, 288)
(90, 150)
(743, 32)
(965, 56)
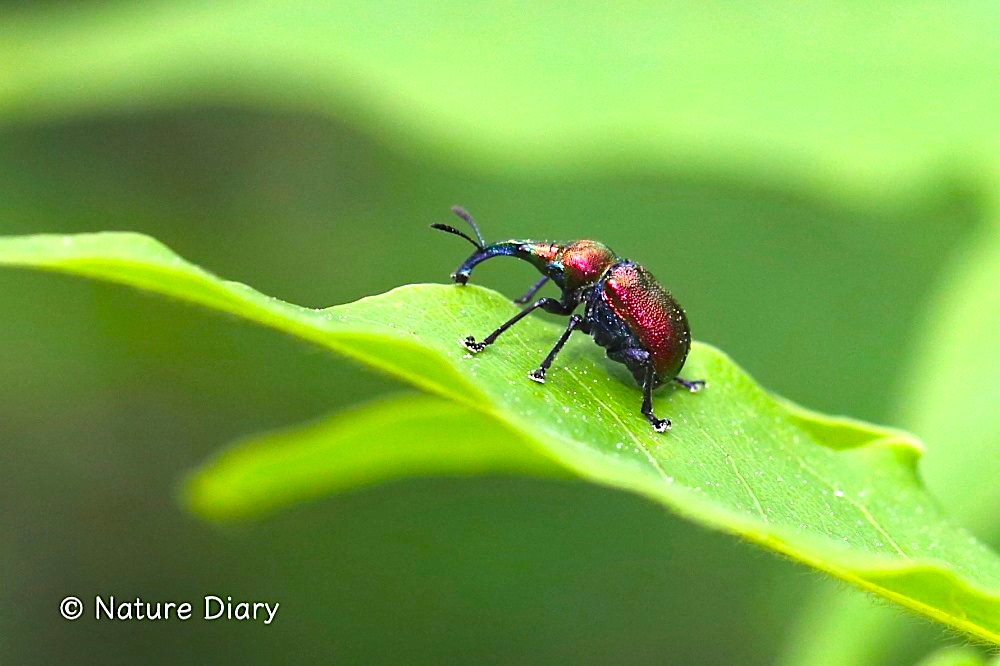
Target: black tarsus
(547, 304)
(532, 291)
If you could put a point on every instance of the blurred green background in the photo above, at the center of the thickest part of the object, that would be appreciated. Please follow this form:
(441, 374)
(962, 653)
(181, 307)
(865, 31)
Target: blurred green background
(809, 198)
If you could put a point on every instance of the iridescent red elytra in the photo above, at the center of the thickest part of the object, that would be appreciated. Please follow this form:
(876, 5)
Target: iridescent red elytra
(626, 310)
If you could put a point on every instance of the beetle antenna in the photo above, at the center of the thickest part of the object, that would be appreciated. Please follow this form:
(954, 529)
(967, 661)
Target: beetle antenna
(464, 214)
(452, 230)
(461, 212)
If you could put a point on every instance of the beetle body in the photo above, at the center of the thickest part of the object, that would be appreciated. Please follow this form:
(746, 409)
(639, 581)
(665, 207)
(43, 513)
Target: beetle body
(630, 310)
(626, 310)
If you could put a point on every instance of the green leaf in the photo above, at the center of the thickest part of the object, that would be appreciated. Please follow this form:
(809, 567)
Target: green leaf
(391, 438)
(950, 399)
(839, 495)
(870, 97)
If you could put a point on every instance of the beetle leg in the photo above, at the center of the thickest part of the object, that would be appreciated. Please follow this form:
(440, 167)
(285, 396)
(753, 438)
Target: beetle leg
(693, 386)
(532, 291)
(648, 382)
(575, 323)
(547, 304)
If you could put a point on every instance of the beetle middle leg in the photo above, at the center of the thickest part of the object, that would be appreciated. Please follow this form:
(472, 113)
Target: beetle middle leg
(547, 304)
(576, 323)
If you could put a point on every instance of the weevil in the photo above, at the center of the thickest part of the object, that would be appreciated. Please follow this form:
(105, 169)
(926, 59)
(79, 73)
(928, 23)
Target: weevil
(626, 310)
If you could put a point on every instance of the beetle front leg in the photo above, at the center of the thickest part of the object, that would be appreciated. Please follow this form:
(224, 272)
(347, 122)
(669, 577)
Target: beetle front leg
(532, 291)
(576, 323)
(693, 386)
(547, 304)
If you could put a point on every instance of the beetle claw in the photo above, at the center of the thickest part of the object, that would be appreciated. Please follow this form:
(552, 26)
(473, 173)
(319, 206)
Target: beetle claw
(660, 425)
(473, 346)
(537, 375)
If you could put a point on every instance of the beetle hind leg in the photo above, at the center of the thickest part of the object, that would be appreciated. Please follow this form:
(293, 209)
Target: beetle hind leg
(691, 385)
(643, 362)
(659, 425)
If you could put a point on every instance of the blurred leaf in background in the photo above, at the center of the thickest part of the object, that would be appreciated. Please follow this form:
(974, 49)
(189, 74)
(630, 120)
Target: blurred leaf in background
(870, 97)
(798, 175)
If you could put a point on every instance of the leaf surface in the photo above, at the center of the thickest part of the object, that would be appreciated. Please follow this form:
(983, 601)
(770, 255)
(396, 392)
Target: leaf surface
(837, 494)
